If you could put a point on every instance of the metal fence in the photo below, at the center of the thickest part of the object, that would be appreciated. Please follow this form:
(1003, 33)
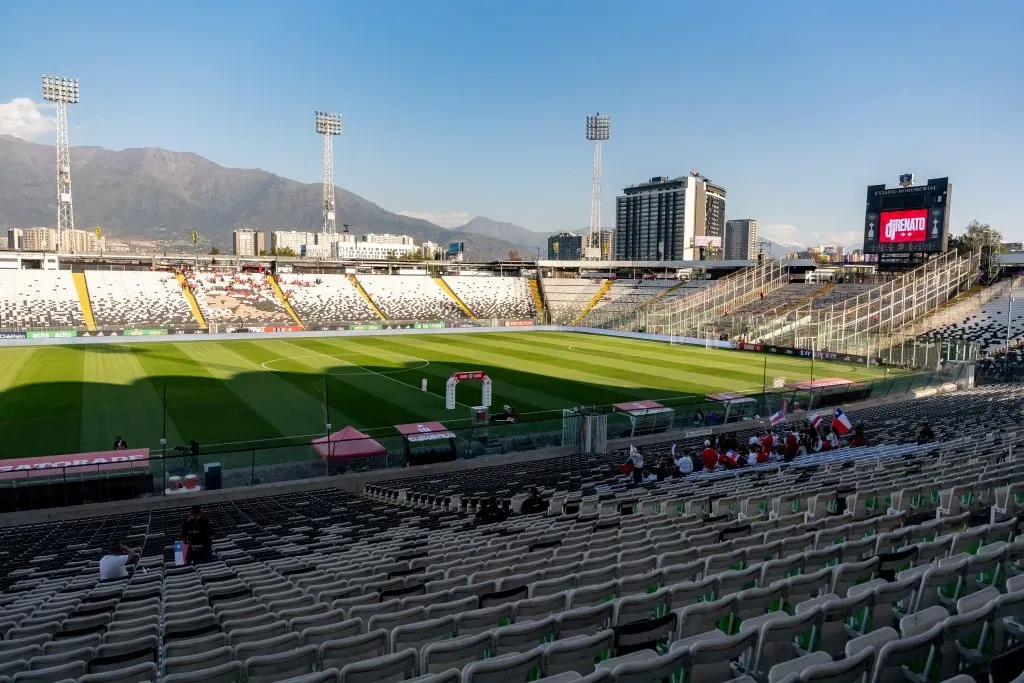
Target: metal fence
(167, 471)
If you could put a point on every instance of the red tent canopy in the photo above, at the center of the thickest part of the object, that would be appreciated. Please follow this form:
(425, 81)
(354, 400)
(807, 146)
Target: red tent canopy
(347, 444)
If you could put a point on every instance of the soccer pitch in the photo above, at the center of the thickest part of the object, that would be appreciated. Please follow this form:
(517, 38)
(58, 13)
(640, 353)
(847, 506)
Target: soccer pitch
(233, 394)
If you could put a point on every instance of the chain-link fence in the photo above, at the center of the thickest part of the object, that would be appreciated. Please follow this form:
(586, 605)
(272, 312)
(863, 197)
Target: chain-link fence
(176, 471)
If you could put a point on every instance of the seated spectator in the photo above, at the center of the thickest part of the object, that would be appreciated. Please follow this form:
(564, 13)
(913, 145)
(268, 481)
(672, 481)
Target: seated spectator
(684, 465)
(926, 434)
(119, 444)
(489, 512)
(114, 565)
(858, 437)
(792, 445)
(534, 504)
(768, 440)
(698, 418)
(730, 459)
(709, 457)
(753, 455)
(832, 439)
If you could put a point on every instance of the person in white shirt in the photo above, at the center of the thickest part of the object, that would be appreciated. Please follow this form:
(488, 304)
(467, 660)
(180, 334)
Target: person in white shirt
(684, 464)
(114, 565)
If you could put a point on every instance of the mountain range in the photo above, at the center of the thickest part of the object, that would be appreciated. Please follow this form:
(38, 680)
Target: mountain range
(156, 193)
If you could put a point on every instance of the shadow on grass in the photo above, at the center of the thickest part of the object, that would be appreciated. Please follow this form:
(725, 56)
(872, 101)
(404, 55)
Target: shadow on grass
(271, 416)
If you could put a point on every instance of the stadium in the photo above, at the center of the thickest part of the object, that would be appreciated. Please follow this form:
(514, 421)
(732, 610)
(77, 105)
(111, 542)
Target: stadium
(263, 469)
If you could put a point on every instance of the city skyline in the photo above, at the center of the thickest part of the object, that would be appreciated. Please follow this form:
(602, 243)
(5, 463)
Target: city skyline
(802, 104)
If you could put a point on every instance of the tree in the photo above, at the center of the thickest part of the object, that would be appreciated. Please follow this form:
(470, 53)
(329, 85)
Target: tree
(280, 251)
(214, 251)
(976, 236)
(513, 255)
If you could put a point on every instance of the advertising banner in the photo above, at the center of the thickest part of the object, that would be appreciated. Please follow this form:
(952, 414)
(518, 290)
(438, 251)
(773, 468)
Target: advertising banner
(10, 334)
(146, 332)
(749, 346)
(51, 334)
(101, 460)
(518, 323)
(459, 324)
(285, 328)
(909, 225)
(428, 326)
(364, 326)
(186, 331)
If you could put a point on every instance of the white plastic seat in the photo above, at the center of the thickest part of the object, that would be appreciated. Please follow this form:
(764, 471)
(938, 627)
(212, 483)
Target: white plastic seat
(229, 672)
(138, 673)
(192, 662)
(514, 667)
(522, 636)
(576, 653)
(456, 652)
(273, 667)
(339, 653)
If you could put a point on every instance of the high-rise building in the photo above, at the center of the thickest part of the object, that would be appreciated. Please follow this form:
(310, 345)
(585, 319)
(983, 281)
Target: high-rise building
(248, 242)
(601, 244)
(565, 246)
(39, 239)
(15, 239)
(671, 219)
(291, 239)
(741, 239)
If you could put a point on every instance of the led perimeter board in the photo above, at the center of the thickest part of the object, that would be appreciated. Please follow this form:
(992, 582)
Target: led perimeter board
(911, 219)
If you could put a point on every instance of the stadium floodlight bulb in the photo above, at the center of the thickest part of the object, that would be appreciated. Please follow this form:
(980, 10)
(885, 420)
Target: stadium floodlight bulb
(60, 90)
(599, 127)
(327, 123)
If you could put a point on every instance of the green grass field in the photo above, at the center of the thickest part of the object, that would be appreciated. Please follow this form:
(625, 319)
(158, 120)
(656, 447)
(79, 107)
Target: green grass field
(67, 399)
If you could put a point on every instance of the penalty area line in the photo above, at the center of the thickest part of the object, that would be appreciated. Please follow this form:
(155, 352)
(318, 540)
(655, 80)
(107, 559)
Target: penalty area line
(368, 370)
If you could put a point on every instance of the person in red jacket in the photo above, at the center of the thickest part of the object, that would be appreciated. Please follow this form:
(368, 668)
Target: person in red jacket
(709, 457)
(792, 445)
(768, 441)
(858, 437)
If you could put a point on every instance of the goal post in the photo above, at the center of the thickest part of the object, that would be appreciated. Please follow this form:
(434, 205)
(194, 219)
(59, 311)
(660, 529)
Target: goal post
(468, 376)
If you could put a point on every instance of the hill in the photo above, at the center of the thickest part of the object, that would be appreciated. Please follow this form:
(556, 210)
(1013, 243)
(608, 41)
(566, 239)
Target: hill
(157, 193)
(508, 232)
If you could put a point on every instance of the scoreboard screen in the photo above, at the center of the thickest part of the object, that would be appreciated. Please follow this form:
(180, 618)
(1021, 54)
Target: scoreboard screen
(907, 220)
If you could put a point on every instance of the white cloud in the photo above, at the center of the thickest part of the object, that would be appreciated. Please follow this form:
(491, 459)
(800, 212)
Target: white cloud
(790, 235)
(23, 118)
(446, 219)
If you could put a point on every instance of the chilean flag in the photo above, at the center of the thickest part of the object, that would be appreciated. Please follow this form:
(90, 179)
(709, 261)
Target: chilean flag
(841, 423)
(777, 418)
(816, 421)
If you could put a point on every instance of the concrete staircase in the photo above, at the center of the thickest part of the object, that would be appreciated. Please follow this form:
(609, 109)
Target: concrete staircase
(363, 293)
(605, 286)
(83, 299)
(197, 313)
(276, 286)
(453, 296)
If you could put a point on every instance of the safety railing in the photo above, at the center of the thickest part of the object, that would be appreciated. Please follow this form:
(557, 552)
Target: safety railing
(176, 472)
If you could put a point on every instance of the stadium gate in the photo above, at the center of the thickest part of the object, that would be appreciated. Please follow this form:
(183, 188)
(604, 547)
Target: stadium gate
(472, 375)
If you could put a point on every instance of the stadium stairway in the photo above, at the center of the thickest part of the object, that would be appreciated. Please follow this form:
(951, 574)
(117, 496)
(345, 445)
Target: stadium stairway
(284, 300)
(192, 303)
(605, 286)
(83, 300)
(454, 297)
(538, 301)
(365, 295)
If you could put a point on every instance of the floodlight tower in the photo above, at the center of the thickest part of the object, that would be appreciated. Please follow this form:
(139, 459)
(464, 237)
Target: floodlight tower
(328, 125)
(599, 128)
(62, 92)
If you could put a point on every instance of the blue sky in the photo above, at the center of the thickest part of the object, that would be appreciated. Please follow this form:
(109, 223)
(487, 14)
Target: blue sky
(476, 107)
